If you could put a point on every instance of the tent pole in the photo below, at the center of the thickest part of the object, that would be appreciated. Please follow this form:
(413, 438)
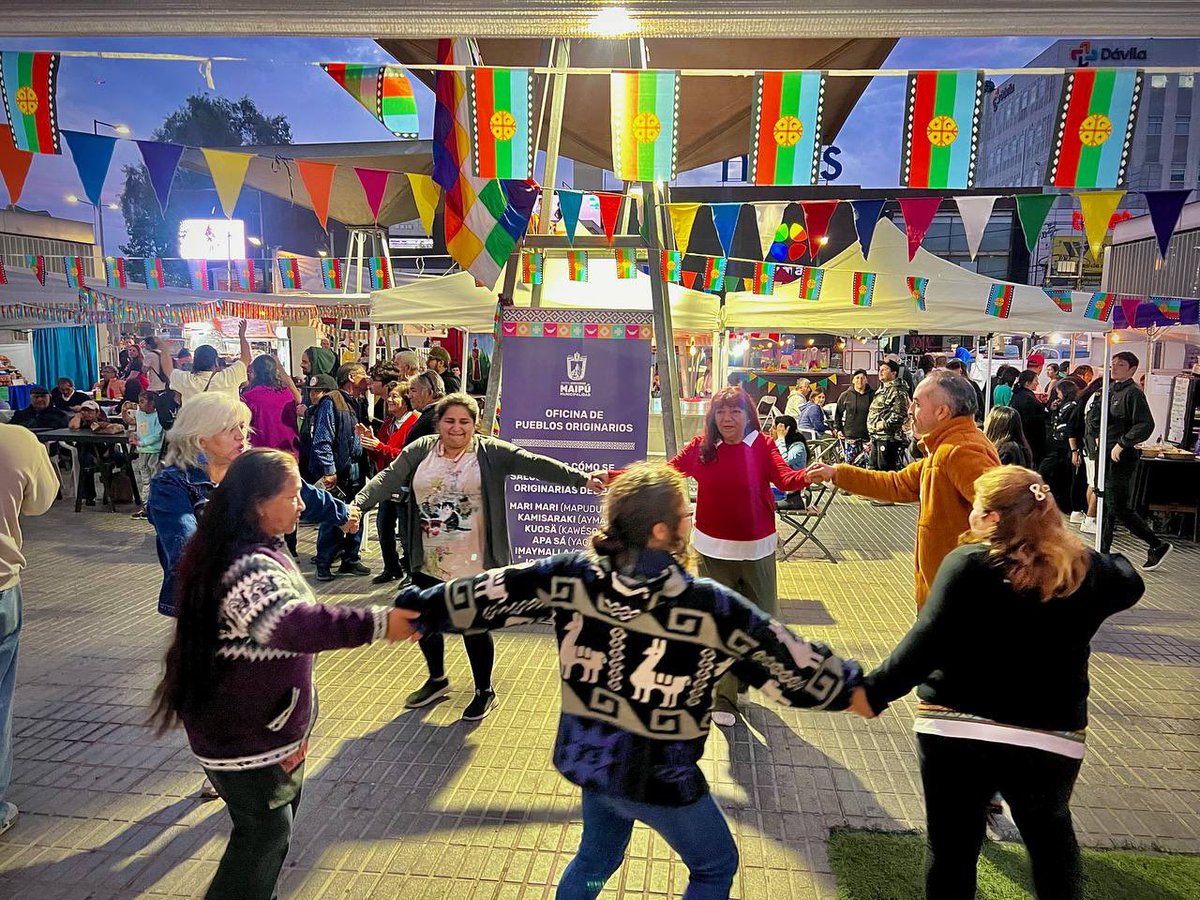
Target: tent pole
(562, 57)
(987, 380)
(493, 386)
(1102, 457)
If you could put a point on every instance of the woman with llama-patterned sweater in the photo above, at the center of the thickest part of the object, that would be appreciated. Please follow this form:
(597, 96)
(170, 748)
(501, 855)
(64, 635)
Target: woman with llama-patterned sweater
(734, 465)
(239, 673)
(642, 645)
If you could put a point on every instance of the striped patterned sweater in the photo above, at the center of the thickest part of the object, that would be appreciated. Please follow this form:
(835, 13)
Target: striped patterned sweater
(263, 701)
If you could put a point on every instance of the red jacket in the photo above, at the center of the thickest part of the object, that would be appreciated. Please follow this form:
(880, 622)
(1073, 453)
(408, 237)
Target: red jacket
(391, 435)
(735, 510)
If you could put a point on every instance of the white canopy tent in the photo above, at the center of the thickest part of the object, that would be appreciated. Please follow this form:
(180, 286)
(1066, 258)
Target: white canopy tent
(955, 299)
(455, 300)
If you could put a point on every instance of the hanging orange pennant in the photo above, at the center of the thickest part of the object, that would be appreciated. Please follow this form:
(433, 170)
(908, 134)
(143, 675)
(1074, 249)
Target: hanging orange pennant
(318, 181)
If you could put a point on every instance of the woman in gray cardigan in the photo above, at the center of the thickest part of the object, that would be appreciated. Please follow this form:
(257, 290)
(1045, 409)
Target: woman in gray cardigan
(455, 522)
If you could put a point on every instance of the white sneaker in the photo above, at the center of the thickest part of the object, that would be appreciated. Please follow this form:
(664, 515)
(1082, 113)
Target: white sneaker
(1077, 517)
(1088, 526)
(8, 815)
(724, 719)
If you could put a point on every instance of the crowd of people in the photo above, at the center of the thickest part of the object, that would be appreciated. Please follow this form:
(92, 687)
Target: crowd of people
(663, 623)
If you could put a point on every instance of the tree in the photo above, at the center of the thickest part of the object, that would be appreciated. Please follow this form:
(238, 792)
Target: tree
(200, 122)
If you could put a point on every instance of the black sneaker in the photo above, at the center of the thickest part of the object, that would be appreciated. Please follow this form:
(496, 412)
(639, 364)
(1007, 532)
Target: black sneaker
(1156, 555)
(353, 568)
(479, 707)
(324, 574)
(385, 576)
(431, 691)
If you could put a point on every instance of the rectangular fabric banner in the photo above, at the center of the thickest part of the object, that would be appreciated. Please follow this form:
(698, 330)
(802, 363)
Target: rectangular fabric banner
(941, 128)
(764, 278)
(501, 110)
(672, 266)
(864, 288)
(645, 104)
(580, 382)
(1100, 306)
(289, 273)
(626, 263)
(331, 273)
(1096, 116)
(532, 262)
(198, 272)
(114, 272)
(74, 267)
(785, 141)
(811, 279)
(999, 302)
(714, 273)
(577, 265)
(29, 88)
(381, 273)
(154, 274)
(917, 288)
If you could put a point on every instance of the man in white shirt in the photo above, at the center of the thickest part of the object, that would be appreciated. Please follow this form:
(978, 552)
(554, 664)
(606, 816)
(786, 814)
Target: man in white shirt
(28, 487)
(206, 376)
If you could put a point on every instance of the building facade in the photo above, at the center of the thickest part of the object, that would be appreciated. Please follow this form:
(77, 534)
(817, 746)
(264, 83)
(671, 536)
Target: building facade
(1018, 137)
(24, 233)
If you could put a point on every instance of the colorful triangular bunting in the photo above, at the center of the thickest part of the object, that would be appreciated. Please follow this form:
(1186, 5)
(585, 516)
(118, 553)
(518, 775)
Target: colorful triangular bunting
(228, 172)
(1097, 208)
(569, 204)
(161, 160)
(817, 214)
(918, 214)
(14, 166)
(866, 216)
(1032, 210)
(374, 184)
(318, 181)
(426, 194)
(610, 208)
(92, 154)
(725, 219)
(1165, 209)
(683, 217)
(767, 218)
(975, 213)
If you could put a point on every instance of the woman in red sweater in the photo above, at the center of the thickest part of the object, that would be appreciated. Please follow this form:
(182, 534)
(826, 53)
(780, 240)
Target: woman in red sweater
(734, 466)
(384, 447)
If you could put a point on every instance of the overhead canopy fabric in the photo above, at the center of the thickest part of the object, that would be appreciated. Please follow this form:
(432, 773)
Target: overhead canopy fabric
(714, 112)
(955, 301)
(274, 172)
(455, 300)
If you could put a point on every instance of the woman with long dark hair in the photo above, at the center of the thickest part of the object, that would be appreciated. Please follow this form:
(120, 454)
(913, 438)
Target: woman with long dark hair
(455, 523)
(734, 466)
(239, 672)
(1004, 429)
(1002, 385)
(1020, 581)
(1056, 468)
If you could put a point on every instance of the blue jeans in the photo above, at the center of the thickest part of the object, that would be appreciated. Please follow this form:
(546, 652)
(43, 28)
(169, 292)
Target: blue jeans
(697, 832)
(10, 636)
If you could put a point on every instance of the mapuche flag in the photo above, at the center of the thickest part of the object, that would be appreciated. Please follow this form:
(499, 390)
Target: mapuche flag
(645, 107)
(114, 272)
(383, 91)
(28, 85)
(154, 274)
(501, 109)
(714, 273)
(785, 143)
(331, 273)
(1096, 116)
(74, 265)
(941, 128)
(289, 273)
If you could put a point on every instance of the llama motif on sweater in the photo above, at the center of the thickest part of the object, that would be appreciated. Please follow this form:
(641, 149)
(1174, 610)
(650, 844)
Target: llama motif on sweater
(640, 652)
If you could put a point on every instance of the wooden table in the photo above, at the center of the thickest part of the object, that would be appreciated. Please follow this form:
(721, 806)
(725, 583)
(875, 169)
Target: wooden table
(78, 437)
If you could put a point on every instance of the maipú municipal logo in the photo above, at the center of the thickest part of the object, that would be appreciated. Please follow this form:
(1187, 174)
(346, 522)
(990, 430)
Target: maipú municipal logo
(575, 386)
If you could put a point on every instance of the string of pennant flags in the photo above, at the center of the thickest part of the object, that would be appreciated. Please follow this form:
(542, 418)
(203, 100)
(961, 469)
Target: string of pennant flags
(775, 387)
(485, 145)
(244, 274)
(712, 278)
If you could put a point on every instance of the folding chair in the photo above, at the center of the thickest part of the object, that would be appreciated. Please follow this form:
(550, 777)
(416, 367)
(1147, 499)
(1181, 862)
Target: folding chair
(803, 522)
(767, 410)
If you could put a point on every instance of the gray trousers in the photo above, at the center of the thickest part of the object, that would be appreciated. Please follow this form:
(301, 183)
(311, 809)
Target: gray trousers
(755, 580)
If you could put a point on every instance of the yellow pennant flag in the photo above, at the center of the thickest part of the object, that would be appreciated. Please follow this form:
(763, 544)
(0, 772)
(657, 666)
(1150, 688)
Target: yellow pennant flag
(425, 194)
(228, 172)
(1098, 208)
(683, 216)
(833, 379)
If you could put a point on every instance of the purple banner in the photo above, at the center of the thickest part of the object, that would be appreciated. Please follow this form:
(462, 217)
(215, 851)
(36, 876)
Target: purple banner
(575, 386)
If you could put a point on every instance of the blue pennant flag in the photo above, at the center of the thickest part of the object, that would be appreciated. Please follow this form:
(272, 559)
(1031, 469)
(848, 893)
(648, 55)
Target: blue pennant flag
(725, 219)
(92, 154)
(866, 215)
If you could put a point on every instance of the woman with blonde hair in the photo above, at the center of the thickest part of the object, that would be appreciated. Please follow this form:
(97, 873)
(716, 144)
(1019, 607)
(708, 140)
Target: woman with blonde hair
(1015, 723)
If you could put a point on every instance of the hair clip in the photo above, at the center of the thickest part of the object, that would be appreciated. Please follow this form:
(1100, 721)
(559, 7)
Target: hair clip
(1040, 491)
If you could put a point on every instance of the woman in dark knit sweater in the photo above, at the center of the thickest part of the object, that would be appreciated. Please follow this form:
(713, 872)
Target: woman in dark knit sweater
(641, 646)
(1023, 583)
(239, 671)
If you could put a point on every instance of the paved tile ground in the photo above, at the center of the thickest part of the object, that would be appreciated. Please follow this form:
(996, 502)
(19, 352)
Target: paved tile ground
(420, 805)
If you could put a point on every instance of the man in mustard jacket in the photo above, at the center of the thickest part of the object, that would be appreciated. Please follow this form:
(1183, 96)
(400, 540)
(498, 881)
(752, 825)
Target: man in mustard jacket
(956, 453)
